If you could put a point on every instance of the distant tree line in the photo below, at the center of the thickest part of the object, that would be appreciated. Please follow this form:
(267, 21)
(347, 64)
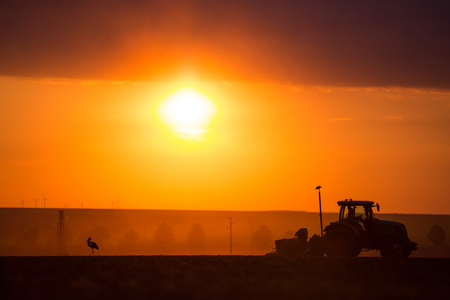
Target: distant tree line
(437, 235)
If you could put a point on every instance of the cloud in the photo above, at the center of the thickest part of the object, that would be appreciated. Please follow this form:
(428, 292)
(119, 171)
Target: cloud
(25, 163)
(394, 117)
(341, 119)
(326, 43)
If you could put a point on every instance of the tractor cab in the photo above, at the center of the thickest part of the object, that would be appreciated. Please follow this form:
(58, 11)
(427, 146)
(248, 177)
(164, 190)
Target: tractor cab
(356, 211)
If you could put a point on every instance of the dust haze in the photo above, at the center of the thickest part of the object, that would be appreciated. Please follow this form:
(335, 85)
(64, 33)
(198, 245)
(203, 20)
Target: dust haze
(29, 231)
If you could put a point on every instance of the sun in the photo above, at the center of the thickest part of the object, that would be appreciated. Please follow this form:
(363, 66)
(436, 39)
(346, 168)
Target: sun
(187, 112)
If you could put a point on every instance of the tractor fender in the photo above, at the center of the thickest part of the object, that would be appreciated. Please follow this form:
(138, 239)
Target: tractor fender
(343, 224)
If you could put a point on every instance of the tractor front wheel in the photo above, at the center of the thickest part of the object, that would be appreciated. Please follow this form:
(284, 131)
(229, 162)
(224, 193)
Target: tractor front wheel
(341, 241)
(393, 247)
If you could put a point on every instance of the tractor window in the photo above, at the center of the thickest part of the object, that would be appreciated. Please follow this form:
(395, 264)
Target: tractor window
(343, 212)
(369, 213)
(360, 212)
(348, 212)
(352, 212)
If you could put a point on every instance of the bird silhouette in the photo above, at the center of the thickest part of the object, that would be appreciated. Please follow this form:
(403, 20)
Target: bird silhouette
(92, 245)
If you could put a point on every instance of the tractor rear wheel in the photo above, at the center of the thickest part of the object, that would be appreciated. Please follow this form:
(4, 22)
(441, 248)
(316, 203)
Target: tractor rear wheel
(341, 241)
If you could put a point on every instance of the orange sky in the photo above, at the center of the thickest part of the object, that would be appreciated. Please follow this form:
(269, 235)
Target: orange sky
(300, 102)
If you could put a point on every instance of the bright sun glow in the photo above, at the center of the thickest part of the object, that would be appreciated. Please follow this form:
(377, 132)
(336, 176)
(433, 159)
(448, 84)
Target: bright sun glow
(188, 112)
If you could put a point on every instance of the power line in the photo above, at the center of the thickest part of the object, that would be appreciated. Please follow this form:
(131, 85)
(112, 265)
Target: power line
(61, 238)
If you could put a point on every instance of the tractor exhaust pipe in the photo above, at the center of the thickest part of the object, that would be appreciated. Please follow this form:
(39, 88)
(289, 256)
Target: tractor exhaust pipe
(320, 210)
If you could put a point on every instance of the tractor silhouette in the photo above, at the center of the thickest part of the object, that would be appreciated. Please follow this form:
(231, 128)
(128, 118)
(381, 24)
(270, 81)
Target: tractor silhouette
(356, 229)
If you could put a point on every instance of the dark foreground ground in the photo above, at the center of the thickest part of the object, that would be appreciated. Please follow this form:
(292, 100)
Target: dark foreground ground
(223, 277)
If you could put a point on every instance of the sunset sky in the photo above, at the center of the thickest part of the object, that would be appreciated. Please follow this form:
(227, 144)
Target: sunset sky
(225, 105)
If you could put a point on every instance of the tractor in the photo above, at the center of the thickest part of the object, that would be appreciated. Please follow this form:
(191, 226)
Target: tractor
(355, 230)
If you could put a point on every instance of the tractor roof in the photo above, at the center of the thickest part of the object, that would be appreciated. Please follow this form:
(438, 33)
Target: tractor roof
(355, 203)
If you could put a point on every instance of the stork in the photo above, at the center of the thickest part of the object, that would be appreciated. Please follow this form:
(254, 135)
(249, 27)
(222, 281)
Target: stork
(93, 245)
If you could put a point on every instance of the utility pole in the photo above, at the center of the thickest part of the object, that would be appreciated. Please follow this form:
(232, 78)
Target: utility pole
(231, 235)
(320, 209)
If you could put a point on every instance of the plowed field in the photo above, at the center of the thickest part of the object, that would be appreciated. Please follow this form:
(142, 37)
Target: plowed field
(223, 277)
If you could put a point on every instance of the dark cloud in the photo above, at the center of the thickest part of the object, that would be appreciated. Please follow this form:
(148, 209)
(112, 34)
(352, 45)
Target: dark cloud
(349, 43)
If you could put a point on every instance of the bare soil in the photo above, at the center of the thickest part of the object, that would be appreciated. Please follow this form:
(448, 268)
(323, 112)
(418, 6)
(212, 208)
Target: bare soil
(223, 277)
